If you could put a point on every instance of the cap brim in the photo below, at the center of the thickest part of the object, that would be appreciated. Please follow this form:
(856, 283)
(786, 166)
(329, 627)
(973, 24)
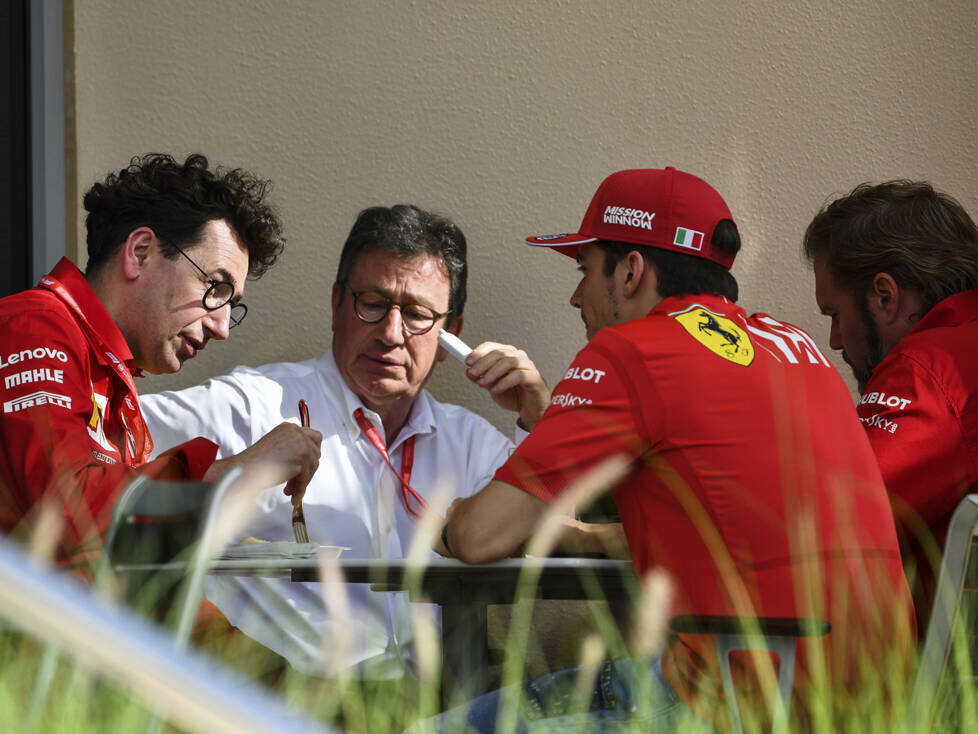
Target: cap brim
(566, 244)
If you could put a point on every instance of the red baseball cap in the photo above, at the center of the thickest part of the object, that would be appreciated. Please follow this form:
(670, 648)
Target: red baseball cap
(664, 208)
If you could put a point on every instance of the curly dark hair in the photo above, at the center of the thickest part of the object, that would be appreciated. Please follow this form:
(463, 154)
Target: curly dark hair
(923, 238)
(405, 230)
(176, 200)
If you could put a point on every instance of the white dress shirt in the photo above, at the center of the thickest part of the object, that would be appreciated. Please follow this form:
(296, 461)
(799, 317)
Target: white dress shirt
(353, 500)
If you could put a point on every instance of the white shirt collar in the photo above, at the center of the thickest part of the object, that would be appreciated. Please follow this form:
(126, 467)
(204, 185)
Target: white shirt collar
(420, 421)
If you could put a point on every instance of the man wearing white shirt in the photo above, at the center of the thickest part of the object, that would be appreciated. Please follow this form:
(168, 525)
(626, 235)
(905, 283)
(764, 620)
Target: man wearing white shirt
(402, 275)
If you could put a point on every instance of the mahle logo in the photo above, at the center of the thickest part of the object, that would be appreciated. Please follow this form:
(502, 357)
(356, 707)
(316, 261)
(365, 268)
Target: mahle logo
(718, 334)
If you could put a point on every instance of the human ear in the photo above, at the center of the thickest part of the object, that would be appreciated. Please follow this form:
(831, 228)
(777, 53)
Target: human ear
(137, 251)
(632, 270)
(456, 329)
(884, 298)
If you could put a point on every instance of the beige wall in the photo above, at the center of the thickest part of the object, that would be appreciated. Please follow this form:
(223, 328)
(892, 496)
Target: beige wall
(505, 115)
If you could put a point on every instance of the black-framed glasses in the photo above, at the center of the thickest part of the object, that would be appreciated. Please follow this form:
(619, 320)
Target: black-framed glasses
(219, 294)
(371, 307)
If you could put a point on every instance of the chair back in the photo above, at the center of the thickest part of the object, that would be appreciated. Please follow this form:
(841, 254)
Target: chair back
(774, 634)
(160, 541)
(154, 523)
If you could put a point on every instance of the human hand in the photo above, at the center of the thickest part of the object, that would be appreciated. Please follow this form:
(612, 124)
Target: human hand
(292, 453)
(511, 378)
(608, 539)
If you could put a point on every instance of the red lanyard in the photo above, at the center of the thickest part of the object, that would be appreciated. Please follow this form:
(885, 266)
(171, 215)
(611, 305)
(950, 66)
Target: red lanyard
(138, 440)
(407, 462)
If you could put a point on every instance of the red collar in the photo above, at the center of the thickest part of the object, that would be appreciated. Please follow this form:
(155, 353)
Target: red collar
(954, 310)
(707, 300)
(91, 309)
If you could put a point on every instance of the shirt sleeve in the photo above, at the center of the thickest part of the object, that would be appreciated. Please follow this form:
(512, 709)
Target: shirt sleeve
(915, 430)
(488, 449)
(592, 416)
(217, 409)
(520, 434)
(47, 452)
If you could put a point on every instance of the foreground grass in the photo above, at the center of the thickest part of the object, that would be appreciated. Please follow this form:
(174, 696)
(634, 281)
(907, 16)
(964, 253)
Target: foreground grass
(81, 701)
(876, 698)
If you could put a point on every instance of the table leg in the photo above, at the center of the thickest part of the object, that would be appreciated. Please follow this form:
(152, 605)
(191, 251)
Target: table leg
(465, 648)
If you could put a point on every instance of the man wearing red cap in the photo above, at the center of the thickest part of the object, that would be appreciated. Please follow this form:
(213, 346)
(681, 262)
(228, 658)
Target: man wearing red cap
(751, 481)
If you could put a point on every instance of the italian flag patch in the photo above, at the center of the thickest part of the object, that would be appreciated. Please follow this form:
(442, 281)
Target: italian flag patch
(688, 238)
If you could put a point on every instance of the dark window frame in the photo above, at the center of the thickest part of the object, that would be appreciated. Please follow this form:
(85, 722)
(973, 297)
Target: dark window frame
(16, 231)
(33, 155)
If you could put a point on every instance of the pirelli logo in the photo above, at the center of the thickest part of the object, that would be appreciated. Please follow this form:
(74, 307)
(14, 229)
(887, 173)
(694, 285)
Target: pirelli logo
(35, 399)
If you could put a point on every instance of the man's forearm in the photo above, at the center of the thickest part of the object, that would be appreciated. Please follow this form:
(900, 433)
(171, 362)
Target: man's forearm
(492, 524)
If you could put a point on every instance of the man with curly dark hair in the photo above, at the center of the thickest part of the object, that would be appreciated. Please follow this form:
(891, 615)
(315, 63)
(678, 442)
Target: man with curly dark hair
(170, 245)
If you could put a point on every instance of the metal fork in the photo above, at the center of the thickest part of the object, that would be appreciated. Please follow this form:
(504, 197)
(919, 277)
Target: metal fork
(298, 516)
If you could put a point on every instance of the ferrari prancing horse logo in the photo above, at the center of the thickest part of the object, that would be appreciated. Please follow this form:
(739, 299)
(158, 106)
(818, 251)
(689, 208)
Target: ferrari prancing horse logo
(718, 334)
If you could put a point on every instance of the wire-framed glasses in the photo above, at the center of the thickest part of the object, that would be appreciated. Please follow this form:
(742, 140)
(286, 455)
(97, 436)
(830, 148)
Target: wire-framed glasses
(219, 294)
(371, 307)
